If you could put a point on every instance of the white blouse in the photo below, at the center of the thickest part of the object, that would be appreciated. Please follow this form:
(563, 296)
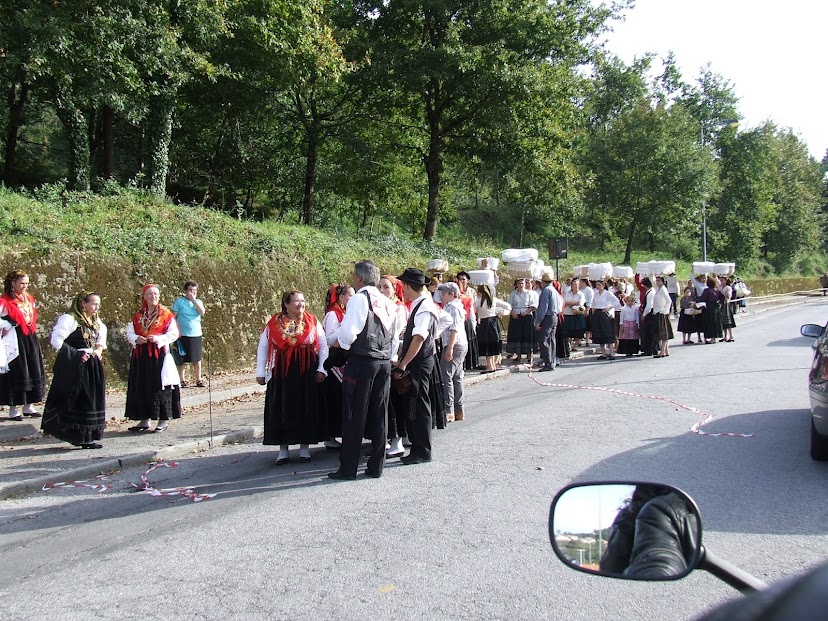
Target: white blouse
(606, 301)
(261, 352)
(572, 299)
(484, 312)
(66, 324)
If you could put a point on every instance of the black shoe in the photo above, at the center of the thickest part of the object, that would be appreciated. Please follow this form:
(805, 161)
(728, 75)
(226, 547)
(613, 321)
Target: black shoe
(410, 460)
(341, 476)
(160, 429)
(304, 460)
(282, 461)
(138, 428)
(16, 418)
(92, 445)
(545, 368)
(33, 414)
(373, 475)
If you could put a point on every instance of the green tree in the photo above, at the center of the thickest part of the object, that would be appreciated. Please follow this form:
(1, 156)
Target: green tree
(456, 68)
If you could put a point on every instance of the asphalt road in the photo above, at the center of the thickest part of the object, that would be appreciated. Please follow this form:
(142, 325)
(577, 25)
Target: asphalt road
(464, 537)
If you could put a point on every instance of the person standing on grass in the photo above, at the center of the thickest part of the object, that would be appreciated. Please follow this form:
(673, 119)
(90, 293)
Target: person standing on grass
(188, 311)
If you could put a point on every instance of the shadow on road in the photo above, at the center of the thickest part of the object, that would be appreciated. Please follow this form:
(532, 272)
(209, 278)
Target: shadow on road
(231, 477)
(799, 341)
(745, 485)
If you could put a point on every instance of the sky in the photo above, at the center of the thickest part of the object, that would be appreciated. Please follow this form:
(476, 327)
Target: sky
(585, 509)
(772, 54)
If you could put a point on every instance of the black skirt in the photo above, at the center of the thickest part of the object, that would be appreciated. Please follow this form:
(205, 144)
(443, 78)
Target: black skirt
(603, 328)
(25, 381)
(520, 337)
(470, 363)
(75, 410)
(188, 348)
(291, 412)
(687, 323)
(332, 390)
(489, 339)
(574, 326)
(663, 327)
(146, 397)
(728, 311)
(562, 349)
(712, 322)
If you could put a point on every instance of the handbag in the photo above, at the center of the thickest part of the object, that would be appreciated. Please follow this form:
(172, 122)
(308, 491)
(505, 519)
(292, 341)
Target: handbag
(401, 382)
(578, 310)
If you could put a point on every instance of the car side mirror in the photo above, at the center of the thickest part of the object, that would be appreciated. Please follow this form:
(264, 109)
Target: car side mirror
(627, 530)
(811, 330)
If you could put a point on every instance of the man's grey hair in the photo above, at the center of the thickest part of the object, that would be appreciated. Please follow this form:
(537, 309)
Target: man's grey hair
(449, 287)
(368, 272)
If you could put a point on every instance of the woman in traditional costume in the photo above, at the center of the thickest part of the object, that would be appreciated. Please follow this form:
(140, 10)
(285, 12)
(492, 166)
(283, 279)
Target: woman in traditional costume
(25, 382)
(604, 305)
(489, 337)
(75, 410)
(711, 317)
(728, 311)
(467, 298)
(337, 300)
(153, 388)
(290, 361)
(574, 309)
(662, 307)
(520, 337)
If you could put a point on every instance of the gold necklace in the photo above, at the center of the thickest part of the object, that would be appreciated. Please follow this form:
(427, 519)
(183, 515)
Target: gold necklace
(290, 328)
(147, 320)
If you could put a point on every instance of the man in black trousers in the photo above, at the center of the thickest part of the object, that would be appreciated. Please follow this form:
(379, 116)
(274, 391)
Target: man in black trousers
(370, 331)
(417, 361)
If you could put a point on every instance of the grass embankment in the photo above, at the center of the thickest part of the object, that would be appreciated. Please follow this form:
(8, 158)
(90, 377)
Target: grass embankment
(115, 244)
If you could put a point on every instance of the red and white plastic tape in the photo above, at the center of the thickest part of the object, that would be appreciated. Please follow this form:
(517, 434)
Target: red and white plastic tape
(696, 428)
(104, 484)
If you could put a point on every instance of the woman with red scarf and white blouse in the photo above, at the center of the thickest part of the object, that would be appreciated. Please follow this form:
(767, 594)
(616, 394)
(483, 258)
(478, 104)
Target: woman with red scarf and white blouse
(337, 300)
(25, 382)
(290, 361)
(153, 388)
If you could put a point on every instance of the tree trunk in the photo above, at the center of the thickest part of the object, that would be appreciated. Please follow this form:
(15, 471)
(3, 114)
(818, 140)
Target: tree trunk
(159, 134)
(108, 139)
(628, 251)
(18, 97)
(310, 175)
(434, 166)
(76, 123)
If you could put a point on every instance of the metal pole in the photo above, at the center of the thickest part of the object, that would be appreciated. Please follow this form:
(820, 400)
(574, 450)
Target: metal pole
(704, 206)
(210, 393)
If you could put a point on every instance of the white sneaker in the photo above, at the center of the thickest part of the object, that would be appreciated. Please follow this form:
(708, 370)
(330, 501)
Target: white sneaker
(395, 449)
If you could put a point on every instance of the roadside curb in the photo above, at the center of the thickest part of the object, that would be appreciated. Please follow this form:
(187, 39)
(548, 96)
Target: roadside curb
(28, 486)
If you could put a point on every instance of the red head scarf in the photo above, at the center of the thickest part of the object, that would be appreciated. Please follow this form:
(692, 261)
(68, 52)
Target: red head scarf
(398, 289)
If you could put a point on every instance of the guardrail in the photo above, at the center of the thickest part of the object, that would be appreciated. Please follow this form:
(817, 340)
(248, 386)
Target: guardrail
(759, 303)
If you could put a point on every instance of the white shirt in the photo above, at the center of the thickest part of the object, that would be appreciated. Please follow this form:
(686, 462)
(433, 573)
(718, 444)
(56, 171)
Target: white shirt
(356, 314)
(425, 311)
(589, 295)
(484, 312)
(606, 301)
(661, 301)
(572, 299)
(66, 324)
(453, 315)
(169, 374)
(261, 352)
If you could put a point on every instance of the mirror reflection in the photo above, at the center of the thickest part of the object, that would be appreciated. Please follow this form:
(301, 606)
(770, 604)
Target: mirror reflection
(635, 531)
(811, 330)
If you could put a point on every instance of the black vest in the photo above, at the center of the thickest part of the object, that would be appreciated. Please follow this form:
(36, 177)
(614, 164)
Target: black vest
(428, 344)
(374, 341)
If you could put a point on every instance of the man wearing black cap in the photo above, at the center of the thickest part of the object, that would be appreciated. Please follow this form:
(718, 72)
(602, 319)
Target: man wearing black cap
(417, 360)
(369, 331)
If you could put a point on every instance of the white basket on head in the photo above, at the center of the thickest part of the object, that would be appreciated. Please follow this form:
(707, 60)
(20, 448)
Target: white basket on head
(437, 265)
(488, 263)
(599, 271)
(702, 267)
(519, 255)
(622, 271)
(482, 277)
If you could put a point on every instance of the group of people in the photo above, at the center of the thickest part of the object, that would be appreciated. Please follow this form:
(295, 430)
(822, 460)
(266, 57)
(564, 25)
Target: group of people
(386, 363)
(163, 341)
